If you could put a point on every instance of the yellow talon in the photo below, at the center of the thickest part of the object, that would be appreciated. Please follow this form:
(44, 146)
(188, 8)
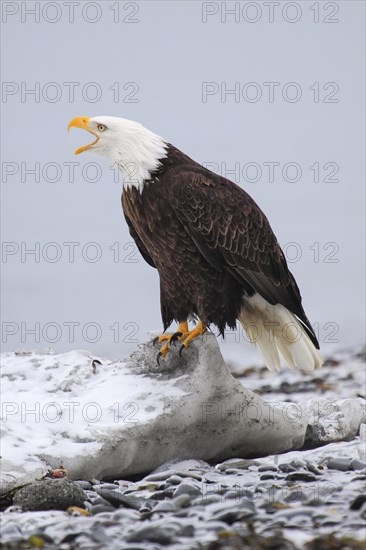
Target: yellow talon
(182, 334)
(192, 334)
(162, 338)
(164, 350)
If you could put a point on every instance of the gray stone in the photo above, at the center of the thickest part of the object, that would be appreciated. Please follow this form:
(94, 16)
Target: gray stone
(343, 464)
(231, 515)
(358, 464)
(174, 480)
(92, 495)
(334, 420)
(101, 508)
(164, 506)
(50, 494)
(187, 531)
(190, 465)
(153, 533)
(209, 499)
(286, 468)
(298, 463)
(313, 468)
(117, 498)
(358, 502)
(237, 463)
(110, 486)
(101, 500)
(85, 485)
(159, 476)
(188, 489)
(296, 496)
(192, 475)
(301, 476)
(181, 500)
(267, 468)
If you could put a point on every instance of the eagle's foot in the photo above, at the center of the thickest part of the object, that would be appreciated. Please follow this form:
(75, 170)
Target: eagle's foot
(169, 339)
(162, 353)
(160, 339)
(199, 329)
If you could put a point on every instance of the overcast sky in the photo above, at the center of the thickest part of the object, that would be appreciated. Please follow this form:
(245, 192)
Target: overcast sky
(270, 93)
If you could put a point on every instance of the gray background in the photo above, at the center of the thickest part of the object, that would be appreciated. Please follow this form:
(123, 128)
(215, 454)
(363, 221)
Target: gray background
(169, 52)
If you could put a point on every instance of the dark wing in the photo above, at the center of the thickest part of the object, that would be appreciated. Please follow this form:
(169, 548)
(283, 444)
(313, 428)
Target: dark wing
(140, 245)
(232, 233)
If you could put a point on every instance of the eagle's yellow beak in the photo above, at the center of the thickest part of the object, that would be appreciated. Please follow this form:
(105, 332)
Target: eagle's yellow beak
(82, 122)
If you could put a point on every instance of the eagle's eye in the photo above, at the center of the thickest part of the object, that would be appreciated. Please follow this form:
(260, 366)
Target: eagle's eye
(101, 127)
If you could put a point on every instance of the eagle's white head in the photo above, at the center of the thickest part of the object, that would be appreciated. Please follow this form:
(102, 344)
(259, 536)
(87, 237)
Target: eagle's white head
(135, 150)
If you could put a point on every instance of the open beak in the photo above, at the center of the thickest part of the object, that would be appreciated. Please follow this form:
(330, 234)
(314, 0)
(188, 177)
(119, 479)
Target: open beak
(82, 122)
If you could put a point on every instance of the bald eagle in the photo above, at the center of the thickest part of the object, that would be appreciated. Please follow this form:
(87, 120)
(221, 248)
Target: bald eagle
(217, 256)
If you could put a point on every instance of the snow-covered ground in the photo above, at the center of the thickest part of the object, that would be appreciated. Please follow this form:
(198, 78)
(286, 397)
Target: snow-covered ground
(111, 419)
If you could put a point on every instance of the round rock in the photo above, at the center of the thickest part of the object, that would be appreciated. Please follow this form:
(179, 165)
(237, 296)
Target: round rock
(50, 494)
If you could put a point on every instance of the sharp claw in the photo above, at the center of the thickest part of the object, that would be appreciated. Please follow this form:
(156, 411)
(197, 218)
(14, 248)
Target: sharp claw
(155, 340)
(158, 358)
(175, 337)
(181, 349)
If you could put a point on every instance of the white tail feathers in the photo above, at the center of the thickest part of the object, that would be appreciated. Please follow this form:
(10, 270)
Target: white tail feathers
(278, 333)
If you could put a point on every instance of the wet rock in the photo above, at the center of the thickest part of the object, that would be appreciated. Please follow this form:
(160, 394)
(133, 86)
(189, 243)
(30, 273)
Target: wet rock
(117, 498)
(184, 468)
(174, 480)
(164, 506)
(181, 500)
(100, 486)
(300, 476)
(209, 499)
(358, 464)
(188, 489)
(313, 468)
(358, 502)
(153, 533)
(238, 463)
(343, 464)
(232, 515)
(286, 468)
(85, 485)
(102, 501)
(100, 508)
(50, 494)
(267, 468)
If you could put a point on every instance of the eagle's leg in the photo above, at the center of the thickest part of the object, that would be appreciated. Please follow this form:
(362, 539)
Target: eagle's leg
(199, 329)
(181, 331)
